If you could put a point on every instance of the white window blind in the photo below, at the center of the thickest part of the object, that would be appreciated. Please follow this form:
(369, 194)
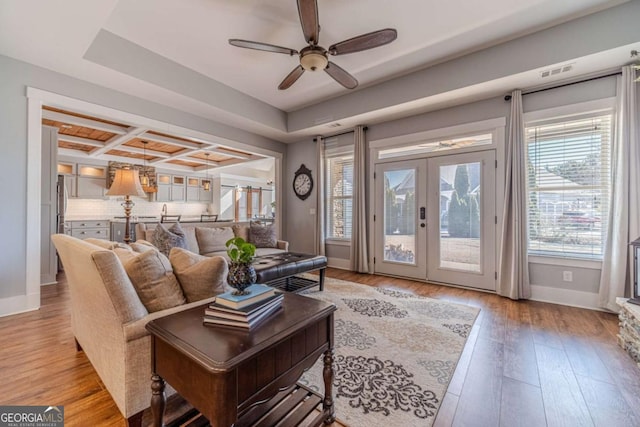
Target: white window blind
(339, 198)
(569, 180)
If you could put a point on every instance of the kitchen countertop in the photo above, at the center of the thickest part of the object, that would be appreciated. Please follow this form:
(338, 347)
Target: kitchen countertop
(86, 218)
(135, 219)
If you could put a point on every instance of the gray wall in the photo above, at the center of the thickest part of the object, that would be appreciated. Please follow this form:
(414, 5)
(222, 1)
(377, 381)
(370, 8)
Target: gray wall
(300, 225)
(15, 76)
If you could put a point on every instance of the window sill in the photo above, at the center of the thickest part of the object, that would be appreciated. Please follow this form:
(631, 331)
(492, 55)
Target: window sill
(338, 242)
(566, 262)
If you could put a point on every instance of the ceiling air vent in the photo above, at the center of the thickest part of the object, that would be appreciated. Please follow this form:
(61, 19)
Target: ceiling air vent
(556, 71)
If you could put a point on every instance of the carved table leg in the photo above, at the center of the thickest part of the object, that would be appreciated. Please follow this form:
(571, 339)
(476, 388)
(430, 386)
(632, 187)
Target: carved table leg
(158, 399)
(328, 374)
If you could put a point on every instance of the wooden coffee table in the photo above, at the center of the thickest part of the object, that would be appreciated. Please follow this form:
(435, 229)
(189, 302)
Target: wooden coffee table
(236, 377)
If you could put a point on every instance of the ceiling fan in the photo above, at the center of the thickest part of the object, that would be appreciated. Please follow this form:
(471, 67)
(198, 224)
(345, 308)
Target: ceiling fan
(314, 57)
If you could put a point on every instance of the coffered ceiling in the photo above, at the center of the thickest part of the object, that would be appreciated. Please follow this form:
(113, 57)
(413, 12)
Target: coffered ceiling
(177, 53)
(81, 135)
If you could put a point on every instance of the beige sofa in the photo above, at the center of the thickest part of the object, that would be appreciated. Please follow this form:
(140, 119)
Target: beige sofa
(108, 321)
(225, 230)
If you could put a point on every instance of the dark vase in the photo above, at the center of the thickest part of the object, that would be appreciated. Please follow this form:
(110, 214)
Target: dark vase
(241, 276)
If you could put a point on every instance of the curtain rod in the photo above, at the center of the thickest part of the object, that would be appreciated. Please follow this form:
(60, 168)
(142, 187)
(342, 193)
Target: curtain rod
(338, 134)
(508, 97)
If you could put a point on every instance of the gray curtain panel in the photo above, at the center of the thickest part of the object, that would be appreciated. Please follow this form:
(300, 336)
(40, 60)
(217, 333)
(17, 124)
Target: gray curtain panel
(320, 210)
(513, 269)
(625, 197)
(359, 253)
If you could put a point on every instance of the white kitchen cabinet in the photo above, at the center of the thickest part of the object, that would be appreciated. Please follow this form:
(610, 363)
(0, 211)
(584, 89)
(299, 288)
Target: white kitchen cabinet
(171, 188)
(178, 188)
(84, 229)
(84, 181)
(91, 188)
(193, 189)
(48, 205)
(164, 188)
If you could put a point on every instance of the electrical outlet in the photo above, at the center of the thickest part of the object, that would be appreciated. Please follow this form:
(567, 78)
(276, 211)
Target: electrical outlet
(567, 276)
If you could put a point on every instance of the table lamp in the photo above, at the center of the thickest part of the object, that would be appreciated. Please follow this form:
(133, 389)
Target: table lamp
(126, 183)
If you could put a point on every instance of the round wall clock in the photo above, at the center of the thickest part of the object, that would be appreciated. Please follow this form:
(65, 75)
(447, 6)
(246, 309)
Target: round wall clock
(302, 182)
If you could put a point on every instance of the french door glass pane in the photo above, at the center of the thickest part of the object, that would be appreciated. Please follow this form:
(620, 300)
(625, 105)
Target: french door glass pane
(400, 216)
(460, 216)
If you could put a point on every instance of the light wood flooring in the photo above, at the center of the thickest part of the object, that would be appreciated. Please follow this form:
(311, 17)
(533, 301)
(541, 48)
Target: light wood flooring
(525, 364)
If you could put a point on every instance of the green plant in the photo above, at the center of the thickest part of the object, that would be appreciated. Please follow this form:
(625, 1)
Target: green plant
(240, 251)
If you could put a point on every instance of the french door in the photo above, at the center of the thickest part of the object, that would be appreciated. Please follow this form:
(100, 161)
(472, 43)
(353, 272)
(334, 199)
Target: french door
(435, 219)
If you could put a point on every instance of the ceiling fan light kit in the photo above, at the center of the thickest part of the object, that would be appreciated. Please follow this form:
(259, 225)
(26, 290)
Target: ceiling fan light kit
(314, 57)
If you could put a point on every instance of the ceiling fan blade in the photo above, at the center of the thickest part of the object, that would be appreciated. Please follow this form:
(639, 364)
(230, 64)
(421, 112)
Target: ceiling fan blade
(291, 78)
(364, 42)
(262, 46)
(341, 76)
(308, 11)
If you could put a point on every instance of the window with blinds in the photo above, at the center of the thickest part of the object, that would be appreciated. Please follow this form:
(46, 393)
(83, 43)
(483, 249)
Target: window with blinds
(339, 200)
(569, 181)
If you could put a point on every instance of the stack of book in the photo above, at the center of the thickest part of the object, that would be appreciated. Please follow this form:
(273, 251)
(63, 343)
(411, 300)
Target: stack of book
(244, 311)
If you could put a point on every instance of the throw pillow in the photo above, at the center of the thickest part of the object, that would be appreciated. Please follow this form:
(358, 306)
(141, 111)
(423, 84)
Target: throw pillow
(125, 255)
(213, 239)
(166, 238)
(262, 235)
(142, 246)
(241, 231)
(200, 276)
(153, 279)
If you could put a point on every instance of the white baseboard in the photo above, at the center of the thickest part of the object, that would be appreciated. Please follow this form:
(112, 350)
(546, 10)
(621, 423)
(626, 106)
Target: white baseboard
(565, 297)
(19, 304)
(340, 263)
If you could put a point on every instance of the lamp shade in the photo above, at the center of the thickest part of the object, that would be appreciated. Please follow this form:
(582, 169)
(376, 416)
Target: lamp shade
(126, 183)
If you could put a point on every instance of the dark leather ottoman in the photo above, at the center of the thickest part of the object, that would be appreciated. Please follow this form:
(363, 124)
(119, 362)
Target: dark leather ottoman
(280, 270)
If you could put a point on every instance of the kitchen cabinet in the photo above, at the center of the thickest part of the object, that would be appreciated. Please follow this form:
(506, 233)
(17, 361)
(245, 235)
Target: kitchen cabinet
(99, 229)
(90, 188)
(91, 182)
(178, 188)
(171, 188)
(69, 172)
(84, 181)
(193, 189)
(48, 205)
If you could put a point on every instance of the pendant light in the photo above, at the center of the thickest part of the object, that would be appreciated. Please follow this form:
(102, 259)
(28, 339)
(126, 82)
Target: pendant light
(206, 184)
(144, 179)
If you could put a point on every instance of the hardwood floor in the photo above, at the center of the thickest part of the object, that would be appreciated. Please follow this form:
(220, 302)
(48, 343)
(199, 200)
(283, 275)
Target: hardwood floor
(525, 363)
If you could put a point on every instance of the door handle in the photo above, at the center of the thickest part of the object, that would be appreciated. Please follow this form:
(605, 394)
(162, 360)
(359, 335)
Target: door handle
(423, 214)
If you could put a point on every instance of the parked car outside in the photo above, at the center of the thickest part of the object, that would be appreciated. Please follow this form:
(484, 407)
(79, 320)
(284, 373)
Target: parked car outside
(581, 220)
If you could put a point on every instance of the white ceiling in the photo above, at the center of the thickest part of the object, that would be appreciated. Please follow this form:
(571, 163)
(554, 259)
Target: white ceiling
(56, 34)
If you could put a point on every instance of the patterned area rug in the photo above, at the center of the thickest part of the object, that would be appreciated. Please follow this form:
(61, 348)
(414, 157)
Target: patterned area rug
(395, 354)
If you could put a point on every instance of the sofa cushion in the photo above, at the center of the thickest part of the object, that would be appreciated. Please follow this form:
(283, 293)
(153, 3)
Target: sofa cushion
(200, 276)
(142, 246)
(154, 281)
(213, 239)
(125, 255)
(263, 235)
(166, 238)
(241, 231)
(192, 240)
(106, 244)
(118, 286)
